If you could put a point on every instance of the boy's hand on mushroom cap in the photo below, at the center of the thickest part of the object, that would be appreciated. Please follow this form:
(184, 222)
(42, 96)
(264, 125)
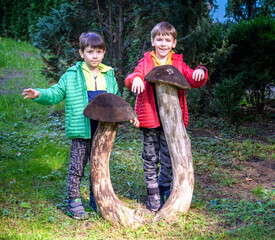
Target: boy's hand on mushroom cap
(198, 74)
(135, 122)
(31, 93)
(138, 85)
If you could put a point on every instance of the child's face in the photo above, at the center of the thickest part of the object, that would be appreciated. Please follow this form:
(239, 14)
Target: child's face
(163, 45)
(92, 56)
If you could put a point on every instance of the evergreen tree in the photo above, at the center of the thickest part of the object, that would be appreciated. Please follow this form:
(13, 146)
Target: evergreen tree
(17, 17)
(249, 9)
(118, 22)
(251, 55)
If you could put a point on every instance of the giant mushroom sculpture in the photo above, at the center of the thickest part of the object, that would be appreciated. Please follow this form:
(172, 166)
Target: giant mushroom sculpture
(168, 79)
(109, 109)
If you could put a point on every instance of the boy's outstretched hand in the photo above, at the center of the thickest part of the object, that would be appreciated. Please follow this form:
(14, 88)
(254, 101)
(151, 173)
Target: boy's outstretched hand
(198, 74)
(138, 85)
(31, 93)
(135, 122)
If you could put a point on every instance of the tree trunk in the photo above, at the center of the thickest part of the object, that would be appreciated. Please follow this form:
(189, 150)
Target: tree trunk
(111, 38)
(110, 207)
(179, 146)
(100, 20)
(120, 45)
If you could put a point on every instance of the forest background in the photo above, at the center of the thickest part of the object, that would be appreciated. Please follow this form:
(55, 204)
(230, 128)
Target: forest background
(238, 53)
(231, 126)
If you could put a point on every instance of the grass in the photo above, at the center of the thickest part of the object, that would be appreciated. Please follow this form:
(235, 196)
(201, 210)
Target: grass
(34, 160)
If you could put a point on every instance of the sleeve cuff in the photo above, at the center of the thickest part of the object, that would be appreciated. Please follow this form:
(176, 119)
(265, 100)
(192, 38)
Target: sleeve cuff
(203, 68)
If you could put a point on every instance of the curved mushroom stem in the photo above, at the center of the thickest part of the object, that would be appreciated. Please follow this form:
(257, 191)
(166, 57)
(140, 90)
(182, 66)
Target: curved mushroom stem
(179, 146)
(110, 207)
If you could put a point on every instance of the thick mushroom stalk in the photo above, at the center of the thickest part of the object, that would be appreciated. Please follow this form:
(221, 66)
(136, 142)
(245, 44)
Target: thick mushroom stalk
(167, 80)
(109, 110)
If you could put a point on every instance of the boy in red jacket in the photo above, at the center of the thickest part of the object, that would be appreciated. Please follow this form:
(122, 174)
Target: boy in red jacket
(155, 149)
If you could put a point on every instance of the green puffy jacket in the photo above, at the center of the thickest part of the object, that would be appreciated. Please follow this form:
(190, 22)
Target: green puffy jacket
(72, 86)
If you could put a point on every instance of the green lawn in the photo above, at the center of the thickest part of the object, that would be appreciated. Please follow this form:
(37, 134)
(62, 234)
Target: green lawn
(34, 158)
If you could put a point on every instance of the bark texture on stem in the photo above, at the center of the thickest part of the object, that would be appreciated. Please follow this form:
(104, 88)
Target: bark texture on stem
(110, 207)
(179, 146)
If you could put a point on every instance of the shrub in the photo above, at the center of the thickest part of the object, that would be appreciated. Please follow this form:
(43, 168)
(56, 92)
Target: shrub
(200, 101)
(57, 38)
(252, 56)
(17, 17)
(228, 95)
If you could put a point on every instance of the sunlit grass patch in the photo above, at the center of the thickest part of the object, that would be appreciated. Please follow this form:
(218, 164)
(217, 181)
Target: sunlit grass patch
(18, 54)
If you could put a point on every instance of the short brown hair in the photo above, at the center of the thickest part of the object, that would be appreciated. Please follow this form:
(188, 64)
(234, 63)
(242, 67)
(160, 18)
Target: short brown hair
(164, 28)
(91, 39)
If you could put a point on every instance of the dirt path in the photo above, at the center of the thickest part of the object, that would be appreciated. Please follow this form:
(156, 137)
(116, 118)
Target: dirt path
(5, 87)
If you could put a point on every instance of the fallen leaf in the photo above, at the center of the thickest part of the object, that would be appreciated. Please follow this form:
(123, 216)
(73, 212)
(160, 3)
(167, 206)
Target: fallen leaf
(25, 205)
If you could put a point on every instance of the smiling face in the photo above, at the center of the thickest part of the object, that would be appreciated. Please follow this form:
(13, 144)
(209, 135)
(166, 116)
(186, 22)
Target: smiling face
(92, 57)
(163, 45)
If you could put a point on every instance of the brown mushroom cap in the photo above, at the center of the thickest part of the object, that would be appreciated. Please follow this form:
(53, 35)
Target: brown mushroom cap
(168, 74)
(108, 107)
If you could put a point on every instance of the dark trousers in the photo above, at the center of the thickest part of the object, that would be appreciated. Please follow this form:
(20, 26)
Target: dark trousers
(79, 157)
(155, 151)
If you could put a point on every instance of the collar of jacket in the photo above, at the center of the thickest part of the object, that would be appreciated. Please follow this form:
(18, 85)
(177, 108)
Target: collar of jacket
(78, 66)
(176, 57)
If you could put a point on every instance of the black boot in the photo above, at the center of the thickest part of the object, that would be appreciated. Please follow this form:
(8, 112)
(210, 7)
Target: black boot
(154, 202)
(76, 210)
(92, 203)
(164, 193)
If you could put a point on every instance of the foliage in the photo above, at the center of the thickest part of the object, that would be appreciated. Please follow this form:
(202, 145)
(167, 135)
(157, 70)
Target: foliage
(249, 9)
(243, 52)
(228, 50)
(212, 53)
(19, 17)
(241, 212)
(115, 21)
(57, 37)
(201, 101)
(57, 34)
(251, 56)
(228, 95)
(193, 24)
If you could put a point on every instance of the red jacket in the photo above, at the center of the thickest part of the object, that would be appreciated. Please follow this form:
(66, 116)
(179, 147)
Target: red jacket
(145, 106)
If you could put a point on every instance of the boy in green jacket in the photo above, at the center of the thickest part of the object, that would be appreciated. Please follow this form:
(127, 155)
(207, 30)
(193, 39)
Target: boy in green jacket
(79, 85)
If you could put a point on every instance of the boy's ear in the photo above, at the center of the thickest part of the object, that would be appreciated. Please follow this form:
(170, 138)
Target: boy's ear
(81, 53)
(174, 43)
(152, 42)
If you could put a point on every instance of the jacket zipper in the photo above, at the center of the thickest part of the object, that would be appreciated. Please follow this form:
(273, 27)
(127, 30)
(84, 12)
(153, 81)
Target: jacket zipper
(95, 83)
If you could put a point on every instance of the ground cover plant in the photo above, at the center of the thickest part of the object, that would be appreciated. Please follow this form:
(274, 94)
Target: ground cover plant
(234, 169)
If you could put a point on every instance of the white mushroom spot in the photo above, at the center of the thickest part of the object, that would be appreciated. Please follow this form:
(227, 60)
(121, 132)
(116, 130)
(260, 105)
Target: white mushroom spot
(170, 71)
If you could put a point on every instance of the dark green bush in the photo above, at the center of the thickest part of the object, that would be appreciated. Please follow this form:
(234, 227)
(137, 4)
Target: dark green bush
(228, 95)
(57, 38)
(17, 17)
(201, 101)
(252, 46)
